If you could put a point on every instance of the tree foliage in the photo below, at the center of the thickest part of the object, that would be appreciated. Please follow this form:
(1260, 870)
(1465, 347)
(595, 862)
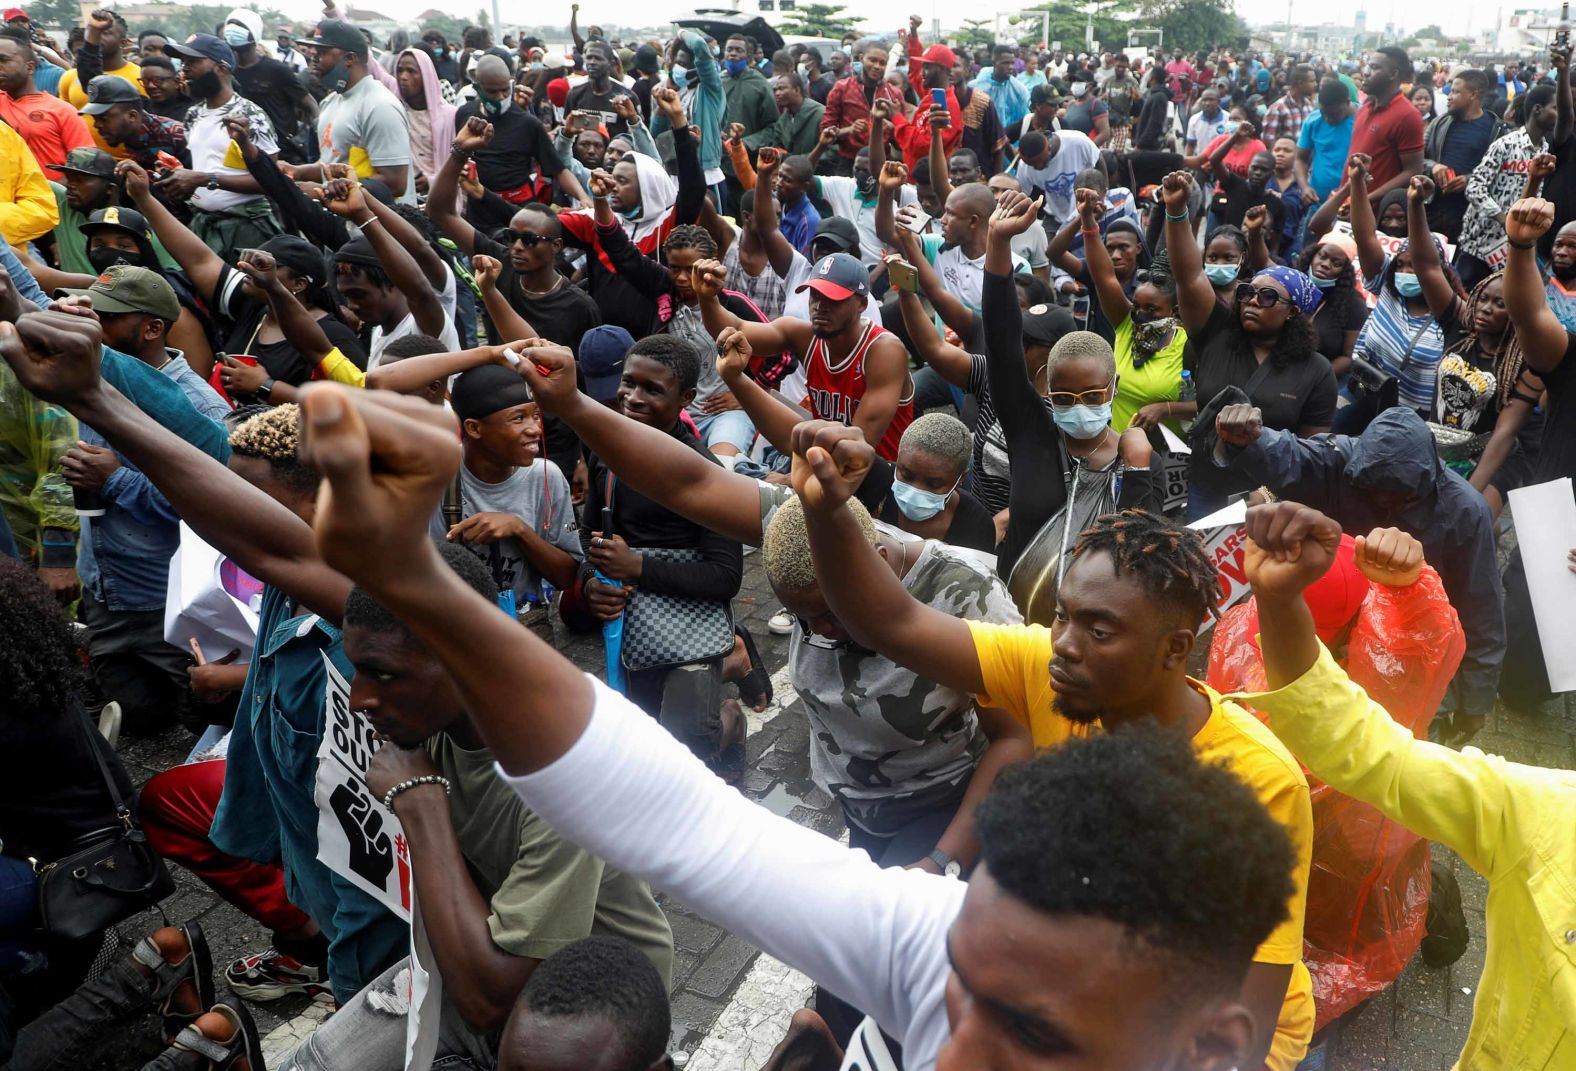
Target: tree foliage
(1069, 22)
(819, 20)
(1194, 24)
(976, 33)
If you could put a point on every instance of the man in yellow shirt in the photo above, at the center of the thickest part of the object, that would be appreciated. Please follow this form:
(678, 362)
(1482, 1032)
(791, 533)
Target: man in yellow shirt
(1511, 823)
(1127, 615)
(101, 53)
(27, 204)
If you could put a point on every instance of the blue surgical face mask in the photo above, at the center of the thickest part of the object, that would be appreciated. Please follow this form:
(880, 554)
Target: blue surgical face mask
(679, 76)
(736, 67)
(1221, 274)
(916, 503)
(858, 68)
(1407, 284)
(1323, 284)
(1082, 421)
(237, 37)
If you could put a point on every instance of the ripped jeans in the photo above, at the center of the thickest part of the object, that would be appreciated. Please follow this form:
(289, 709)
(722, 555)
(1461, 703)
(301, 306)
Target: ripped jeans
(368, 1034)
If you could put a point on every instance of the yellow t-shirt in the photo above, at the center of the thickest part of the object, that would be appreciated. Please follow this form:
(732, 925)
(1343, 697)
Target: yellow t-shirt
(1015, 666)
(1159, 379)
(75, 94)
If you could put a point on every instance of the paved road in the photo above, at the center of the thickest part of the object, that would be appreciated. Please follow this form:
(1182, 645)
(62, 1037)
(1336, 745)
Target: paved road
(735, 1006)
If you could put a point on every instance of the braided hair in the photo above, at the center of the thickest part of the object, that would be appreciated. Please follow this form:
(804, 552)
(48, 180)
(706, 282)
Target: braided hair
(1508, 359)
(1169, 561)
(691, 236)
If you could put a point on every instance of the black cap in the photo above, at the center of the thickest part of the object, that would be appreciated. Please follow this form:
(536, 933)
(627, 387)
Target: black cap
(839, 232)
(646, 59)
(1046, 324)
(108, 90)
(297, 254)
(1044, 93)
(838, 277)
(115, 218)
(481, 392)
(336, 33)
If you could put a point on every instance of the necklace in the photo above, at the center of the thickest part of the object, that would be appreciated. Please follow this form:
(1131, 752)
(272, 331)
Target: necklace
(555, 288)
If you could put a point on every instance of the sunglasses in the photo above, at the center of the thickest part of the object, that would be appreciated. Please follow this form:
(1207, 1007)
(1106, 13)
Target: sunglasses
(1265, 297)
(1062, 399)
(526, 238)
(811, 637)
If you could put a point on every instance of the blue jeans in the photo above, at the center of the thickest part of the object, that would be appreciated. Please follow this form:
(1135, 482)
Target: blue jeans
(20, 952)
(732, 427)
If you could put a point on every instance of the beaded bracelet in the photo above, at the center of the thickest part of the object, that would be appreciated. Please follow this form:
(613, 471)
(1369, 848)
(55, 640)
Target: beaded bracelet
(429, 779)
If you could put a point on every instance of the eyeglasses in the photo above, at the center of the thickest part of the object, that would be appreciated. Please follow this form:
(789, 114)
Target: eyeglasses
(1062, 399)
(1265, 297)
(814, 639)
(526, 238)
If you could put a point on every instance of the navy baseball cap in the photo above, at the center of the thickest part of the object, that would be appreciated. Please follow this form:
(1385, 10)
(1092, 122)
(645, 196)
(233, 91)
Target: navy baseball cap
(601, 358)
(838, 277)
(205, 46)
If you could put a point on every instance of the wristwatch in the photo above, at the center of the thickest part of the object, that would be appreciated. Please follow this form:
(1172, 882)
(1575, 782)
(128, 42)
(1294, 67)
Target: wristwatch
(213, 181)
(266, 391)
(949, 866)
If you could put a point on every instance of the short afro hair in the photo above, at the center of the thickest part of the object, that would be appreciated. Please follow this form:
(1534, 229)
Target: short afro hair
(412, 346)
(941, 435)
(40, 667)
(363, 611)
(1130, 827)
(274, 436)
(676, 354)
(604, 978)
(786, 546)
(1077, 345)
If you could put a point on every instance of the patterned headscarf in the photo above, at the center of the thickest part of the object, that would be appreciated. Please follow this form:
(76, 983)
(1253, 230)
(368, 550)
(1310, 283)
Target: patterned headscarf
(1298, 286)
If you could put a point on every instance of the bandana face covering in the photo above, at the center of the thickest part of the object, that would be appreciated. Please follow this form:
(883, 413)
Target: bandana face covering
(1149, 337)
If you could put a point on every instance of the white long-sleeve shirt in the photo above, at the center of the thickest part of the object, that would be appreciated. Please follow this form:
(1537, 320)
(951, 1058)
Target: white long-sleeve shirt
(627, 791)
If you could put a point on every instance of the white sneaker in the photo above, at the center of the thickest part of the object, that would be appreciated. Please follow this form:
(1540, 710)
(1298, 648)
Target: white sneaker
(781, 623)
(109, 723)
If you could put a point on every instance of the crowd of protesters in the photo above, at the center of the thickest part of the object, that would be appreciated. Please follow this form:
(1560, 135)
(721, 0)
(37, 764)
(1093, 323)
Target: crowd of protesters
(988, 352)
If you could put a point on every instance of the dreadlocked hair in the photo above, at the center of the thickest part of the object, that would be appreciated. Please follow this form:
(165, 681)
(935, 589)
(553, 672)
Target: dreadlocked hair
(273, 436)
(691, 236)
(1508, 360)
(1169, 561)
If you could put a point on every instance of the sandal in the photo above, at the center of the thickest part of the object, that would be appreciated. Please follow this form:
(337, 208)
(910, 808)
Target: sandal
(196, 967)
(755, 687)
(244, 1045)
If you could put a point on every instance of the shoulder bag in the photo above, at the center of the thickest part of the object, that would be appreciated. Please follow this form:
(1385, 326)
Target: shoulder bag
(110, 875)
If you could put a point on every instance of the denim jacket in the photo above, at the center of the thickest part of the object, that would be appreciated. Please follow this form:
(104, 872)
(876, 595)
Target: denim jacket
(123, 557)
(267, 812)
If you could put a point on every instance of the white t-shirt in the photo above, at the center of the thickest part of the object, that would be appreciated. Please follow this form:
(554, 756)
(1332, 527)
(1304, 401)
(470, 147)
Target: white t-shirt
(211, 147)
(963, 278)
(842, 193)
(1201, 131)
(629, 793)
(449, 337)
(1055, 179)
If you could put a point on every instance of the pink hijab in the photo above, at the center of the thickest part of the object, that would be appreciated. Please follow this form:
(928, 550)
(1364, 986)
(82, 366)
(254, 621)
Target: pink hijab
(441, 111)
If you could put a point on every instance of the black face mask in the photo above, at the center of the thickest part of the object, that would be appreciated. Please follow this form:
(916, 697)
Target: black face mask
(204, 85)
(865, 182)
(104, 258)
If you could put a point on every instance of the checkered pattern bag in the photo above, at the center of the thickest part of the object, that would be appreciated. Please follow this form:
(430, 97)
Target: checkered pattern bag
(674, 630)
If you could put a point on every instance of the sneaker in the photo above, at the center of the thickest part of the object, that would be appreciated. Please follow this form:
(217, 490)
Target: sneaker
(781, 623)
(271, 975)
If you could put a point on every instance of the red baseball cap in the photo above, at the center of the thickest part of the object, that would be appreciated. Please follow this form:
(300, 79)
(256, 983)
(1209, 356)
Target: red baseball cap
(13, 13)
(940, 55)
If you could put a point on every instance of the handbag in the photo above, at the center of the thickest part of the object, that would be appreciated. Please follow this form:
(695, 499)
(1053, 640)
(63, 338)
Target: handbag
(671, 630)
(110, 875)
(1374, 389)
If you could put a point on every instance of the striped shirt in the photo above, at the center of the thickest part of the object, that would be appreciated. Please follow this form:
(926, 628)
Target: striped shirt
(1285, 118)
(1406, 346)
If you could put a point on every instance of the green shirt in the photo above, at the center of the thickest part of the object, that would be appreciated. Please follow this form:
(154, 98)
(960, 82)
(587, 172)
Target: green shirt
(71, 244)
(1159, 379)
(544, 892)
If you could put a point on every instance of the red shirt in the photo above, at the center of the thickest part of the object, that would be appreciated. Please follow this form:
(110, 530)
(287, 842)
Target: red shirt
(846, 105)
(49, 125)
(1386, 132)
(836, 388)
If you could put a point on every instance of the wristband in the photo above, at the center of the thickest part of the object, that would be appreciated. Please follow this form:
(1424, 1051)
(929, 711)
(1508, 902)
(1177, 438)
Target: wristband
(57, 555)
(1091, 232)
(415, 782)
(1522, 245)
(1183, 218)
(456, 151)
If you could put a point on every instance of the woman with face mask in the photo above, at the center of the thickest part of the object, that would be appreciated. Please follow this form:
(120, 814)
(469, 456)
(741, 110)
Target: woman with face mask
(1151, 344)
(927, 497)
(1258, 349)
(1068, 466)
(1402, 338)
(1332, 265)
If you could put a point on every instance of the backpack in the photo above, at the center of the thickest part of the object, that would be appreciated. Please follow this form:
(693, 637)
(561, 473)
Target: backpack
(1445, 937)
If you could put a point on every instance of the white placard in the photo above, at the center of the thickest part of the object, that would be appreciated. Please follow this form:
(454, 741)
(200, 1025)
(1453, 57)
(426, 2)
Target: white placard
(1174, 442)
(357, 837)
(1227, 550)
(1227, 517)
(1546, 530)
(426, 996)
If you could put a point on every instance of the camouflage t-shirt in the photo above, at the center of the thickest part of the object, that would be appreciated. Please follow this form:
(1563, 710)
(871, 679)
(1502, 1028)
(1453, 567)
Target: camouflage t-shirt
(887, 744)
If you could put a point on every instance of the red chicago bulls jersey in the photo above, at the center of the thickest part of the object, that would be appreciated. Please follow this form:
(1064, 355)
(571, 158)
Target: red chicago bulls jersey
(836, 388)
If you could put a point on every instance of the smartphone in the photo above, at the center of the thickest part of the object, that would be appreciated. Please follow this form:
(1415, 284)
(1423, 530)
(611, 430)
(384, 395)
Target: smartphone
(1562, 36)
(914, 218)
(903, 275)
(938, 102)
